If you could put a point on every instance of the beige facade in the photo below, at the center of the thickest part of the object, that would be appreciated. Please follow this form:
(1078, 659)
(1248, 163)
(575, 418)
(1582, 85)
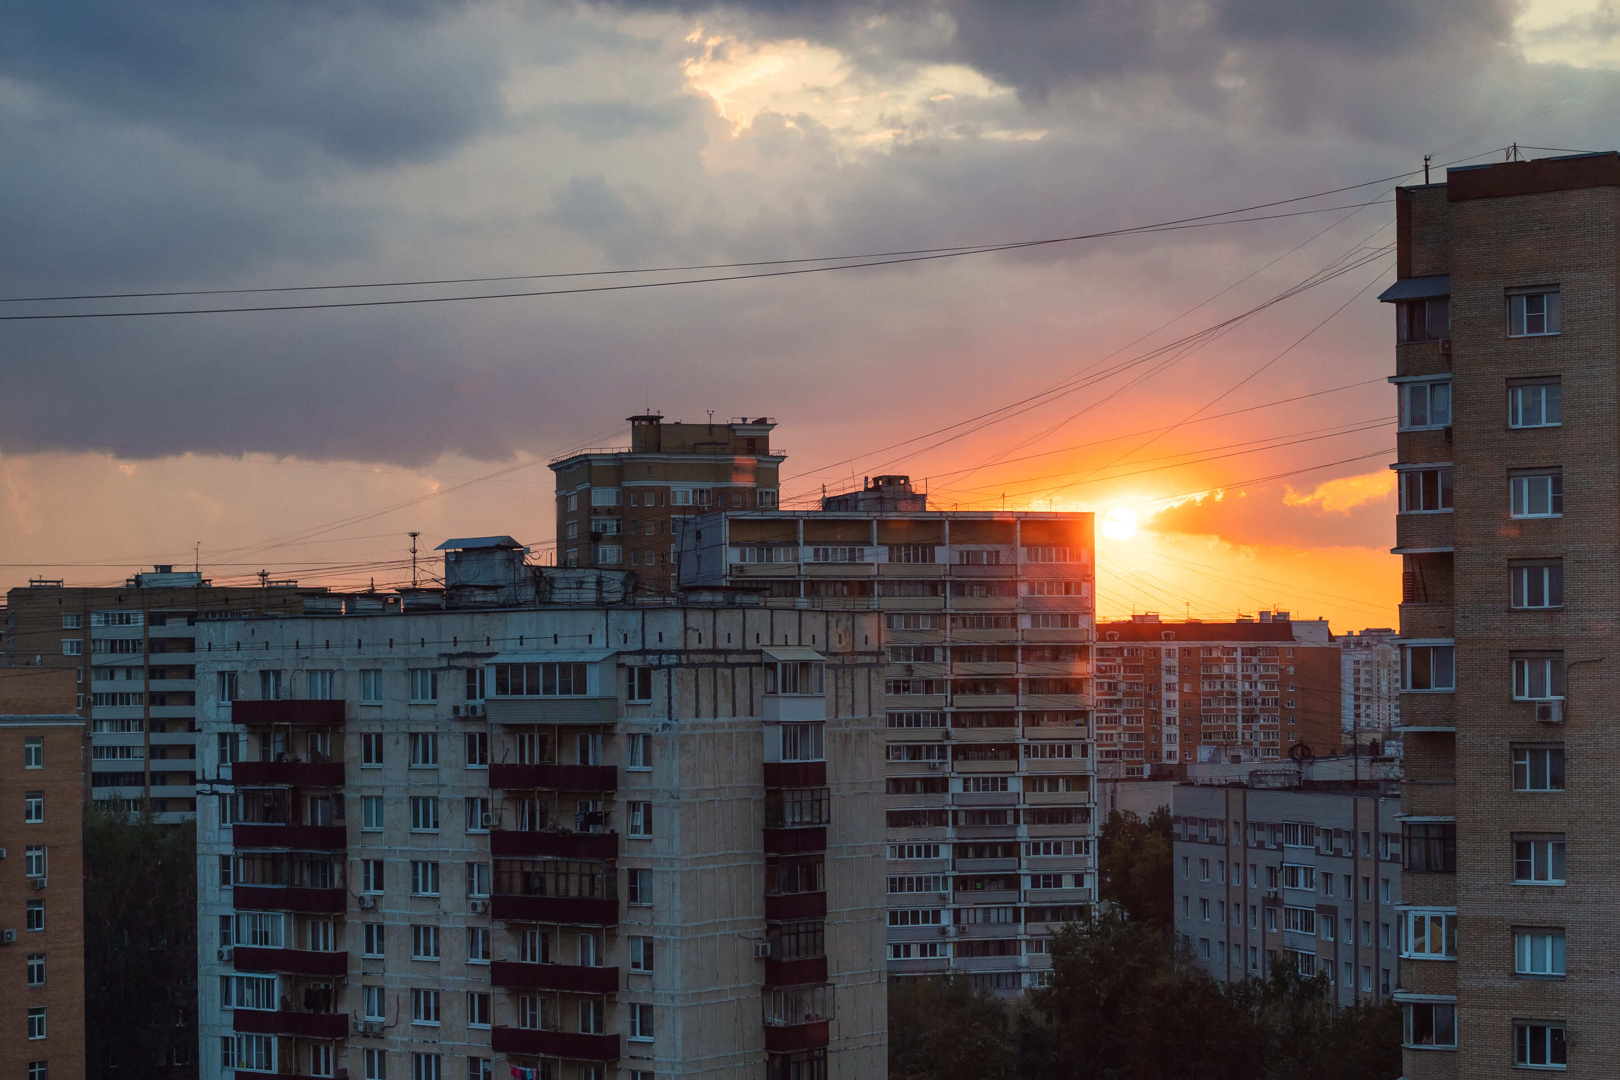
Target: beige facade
(666, 862)
(1506, 373)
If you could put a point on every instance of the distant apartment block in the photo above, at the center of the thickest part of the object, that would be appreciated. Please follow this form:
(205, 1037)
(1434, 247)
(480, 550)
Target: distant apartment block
(131, 648)
(615, 506)
(537, 823)
(42, 751)
(1179, 692)
(1309, 874)
(987, 627)
(1370, 697)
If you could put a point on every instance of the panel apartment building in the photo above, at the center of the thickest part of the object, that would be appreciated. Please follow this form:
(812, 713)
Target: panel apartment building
(1505, 299)
(1371, 695)
(1309, 873)
(42, 752)
(1180, 692)
(596, 838)
(987, 628)
(131, 649)
(615, 506)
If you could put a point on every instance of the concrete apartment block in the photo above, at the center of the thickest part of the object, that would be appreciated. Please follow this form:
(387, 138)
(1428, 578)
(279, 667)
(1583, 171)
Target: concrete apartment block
(41, 876)
(1370, 671)
(1509, 455)
(590, 836)
(1310, 873)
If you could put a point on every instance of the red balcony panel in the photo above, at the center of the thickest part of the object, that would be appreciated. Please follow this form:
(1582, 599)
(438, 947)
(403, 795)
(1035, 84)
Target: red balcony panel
(795, 774)
(301, 837)
(557, 777)
(562, 845)
(278, 1076)
(580, 980)
(559, 909)
(558, 1044)
(293, 961)
(811, 969)
(308, 901)
(805, 905)
(300, 712)
(305, 1024)
(327, 774)
(787, 1038)
(795, 841)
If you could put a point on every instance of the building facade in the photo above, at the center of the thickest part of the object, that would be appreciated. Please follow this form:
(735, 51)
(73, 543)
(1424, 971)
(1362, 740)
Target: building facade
(616, 506)
(987, 624)
(1506, 298)
(1370, 696)
(1182, 692)
(131, 649)
(42, 751)
(597, 840)
(1309, 874)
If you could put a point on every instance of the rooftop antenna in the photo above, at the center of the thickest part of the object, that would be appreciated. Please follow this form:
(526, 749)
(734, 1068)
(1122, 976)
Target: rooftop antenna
(1426, 158)
(711, 417)
(196, 554)
(414, 534)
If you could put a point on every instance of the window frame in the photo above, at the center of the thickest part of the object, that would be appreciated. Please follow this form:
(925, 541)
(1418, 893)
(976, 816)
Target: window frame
(1556, 847)
(1516, 405)
(1518, 504)
(1436, 648)
(1521, 576)
(1556, 1044)
(1411, 933)
(1444, 489)
(1551, 314)
(1546, 769)
(1427, 386)
(1525, 939)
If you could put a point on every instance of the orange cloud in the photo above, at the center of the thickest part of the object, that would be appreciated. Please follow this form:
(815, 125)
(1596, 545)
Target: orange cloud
(1344, 494)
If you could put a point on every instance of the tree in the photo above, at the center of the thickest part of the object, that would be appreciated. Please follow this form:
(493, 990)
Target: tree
(1134, 863)
(140, 926)
(942, 1028)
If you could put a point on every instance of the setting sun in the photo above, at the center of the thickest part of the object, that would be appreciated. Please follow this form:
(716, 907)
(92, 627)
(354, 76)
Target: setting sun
(1119, 523)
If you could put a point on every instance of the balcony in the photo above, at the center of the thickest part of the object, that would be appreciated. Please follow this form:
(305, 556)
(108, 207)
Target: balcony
(294, 837)
(563, 845)
(300, 712)
(1431, 620)
(292, 961)
(787, 774)
(785, 906)
(578, 910)
(1428, 712)
(556, 1044)
(308, 1025)
(569, 977)
(1423, 531)
(789, 708)
(555, 777)
(812, 969)
(795, 841)
(538, 710)
(274, 898)
(787, 1038)
(288, 773)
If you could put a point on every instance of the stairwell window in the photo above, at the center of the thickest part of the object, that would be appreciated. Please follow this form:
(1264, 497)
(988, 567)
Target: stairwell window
(1534, 403)
(1425, 491)
(1536, 493)
(1425, 405)
(1533, 312)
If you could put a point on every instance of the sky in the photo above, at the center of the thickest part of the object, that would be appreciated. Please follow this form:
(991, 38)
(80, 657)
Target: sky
(1215, 390)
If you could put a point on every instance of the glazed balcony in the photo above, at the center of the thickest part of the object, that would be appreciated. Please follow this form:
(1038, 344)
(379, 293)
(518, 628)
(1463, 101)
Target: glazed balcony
(292, 961)
(512, 843)
(573, 910)
(306, 1025)
(781, 907)
(557, 710)
(293, 837)
(554, 777)
(288, 774)
(811, 969)
(299, 712)
(788, 1038)
(278, 898)
(570, 1045)
(566, 977)
(796, 841)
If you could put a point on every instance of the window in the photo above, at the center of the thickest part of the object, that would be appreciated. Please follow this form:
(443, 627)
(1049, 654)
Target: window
(477, 944)
(72, 621)
(1533, 312)
(802, 742)
(1429, 667)
(36, 969)
(1425, 491)
(320, 685)
(794, 677)
(229, 685)
(36, 1023)
(1539, 1044)
(534, 947)
(1538, 952)
(638, 886)
(371, 813)
(478, 879)
(40, 1070)
(604, 496)
(33, 807)
(640, 755)
(641, 954)
(34, 861)
(1431, 846)
(424, 684)
(72, 646)
(475, 684)
(641, 1023)
(371, 876)
(1538, 860)
(322, 934)
(638, 683)
(424, 942)
(1298, 876)
(371, 748)
(477, 1009)
(254, 992)
(424, 1006)
(641, 819)
(376, 1064)
(1538, 768)
(371, 686)
(1425, 404)
(478, 815)
(320, 1059)
(424, 813)
(1301, 920)
(425, 878)
(540, 680)
(1431, 1024)
(1537, 584)
(1422, 320)
(590, 1017)
(424, 750)
(1538, 676)
(427, 1066)
(260, 929)
(1536, 493)
(1535, 403)
(34, 752)
(372, 941)
(1428, 935)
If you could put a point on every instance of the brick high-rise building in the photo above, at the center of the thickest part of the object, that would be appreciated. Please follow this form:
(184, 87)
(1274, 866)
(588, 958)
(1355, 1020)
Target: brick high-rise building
(131, 648)
(1509, 494)
(615, 506)
(42, 751)
(988, 631)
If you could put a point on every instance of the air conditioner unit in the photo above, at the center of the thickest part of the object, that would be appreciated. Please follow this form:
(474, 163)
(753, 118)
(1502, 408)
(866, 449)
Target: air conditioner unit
(368, 903)
(455, 710)
(373, 1027)
(8, 937)
(933, 764)
(1550, 712)
(762, 950)
(487, 820)
(39, 883)
(226, 953)
(475, 710)
(478, 907)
